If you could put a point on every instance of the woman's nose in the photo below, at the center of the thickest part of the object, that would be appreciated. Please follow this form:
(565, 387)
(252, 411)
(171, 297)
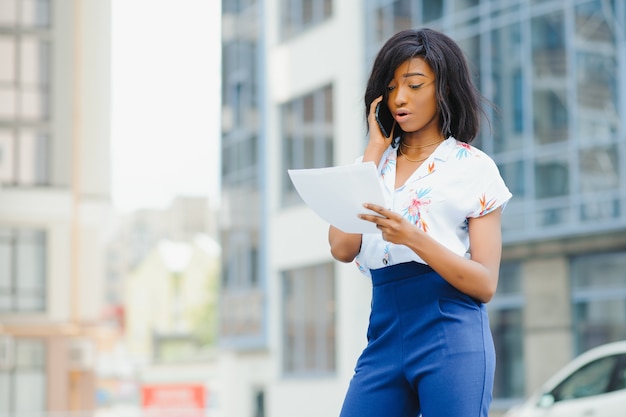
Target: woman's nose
(400, 97)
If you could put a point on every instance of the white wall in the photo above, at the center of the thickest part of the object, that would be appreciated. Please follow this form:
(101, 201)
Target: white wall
(329, 53)
(52, 208)
(332, 52)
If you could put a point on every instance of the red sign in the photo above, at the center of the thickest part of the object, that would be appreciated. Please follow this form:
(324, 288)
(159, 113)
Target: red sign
(186, 399)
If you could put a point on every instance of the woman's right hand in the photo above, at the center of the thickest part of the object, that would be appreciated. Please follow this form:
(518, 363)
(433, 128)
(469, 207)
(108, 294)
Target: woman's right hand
(378, 143)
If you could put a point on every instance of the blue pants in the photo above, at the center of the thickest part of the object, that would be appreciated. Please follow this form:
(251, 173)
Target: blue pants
(429, 350)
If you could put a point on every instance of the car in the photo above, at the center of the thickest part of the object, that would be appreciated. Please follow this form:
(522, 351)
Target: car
(591, 385)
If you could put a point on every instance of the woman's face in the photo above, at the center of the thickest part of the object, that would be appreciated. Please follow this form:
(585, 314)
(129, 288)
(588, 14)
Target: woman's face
(412, 97)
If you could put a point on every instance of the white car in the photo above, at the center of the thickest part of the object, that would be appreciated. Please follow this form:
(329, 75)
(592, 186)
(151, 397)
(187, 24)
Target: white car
(592, 385)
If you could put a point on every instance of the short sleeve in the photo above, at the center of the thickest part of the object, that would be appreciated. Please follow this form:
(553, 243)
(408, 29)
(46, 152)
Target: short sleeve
(489, 190)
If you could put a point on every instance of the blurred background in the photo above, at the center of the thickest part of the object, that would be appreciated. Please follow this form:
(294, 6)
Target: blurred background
(154, 256)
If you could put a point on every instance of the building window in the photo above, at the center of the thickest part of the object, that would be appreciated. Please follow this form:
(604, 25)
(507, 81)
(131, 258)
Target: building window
(550, 71)
(24, 92)
(241, 270)
(307, 136)
(24, 157)
(551, 178)
(23, 266)
(242, 296)
(237, 6)
(506, 318)
(299, 15)
(392, 17)
(596, 71)
(432, 10)
(240, 116)
(599, 299)
(506, 54)
(309, 320)
(23, 385)
(259, 403)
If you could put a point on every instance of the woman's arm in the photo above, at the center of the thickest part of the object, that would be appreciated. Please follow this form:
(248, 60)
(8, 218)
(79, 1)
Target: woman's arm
(343, 246)
(477, 276)
(346, 246)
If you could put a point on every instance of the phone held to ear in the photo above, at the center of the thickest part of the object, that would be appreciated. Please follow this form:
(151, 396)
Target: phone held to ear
(384, 118)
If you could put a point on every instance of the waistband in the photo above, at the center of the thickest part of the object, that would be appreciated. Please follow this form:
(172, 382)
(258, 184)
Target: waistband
(399, 272)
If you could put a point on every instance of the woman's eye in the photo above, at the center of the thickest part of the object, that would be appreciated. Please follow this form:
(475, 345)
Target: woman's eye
(390, 87)
(416, 86)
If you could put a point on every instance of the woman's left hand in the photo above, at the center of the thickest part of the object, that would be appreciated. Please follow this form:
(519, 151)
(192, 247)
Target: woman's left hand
(394, 228)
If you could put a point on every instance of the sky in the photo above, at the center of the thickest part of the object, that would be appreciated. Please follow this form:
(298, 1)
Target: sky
(165, 101)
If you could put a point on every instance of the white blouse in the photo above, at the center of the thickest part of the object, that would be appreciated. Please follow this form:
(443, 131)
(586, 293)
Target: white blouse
(456, 182)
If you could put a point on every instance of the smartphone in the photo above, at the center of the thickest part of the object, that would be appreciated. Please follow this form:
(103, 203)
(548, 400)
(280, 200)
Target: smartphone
(384, 118)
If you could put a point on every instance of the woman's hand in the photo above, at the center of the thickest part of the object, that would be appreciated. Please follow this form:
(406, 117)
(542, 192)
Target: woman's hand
(394, 228)
(378, 143)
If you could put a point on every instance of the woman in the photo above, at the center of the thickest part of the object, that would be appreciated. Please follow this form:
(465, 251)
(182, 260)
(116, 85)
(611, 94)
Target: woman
(436, 260)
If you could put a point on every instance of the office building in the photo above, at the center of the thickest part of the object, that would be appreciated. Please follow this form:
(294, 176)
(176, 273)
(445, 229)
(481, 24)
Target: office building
(54, 200)
(294, 74)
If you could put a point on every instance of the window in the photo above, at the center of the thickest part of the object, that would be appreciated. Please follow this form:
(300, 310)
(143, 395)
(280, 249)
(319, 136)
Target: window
(242, 318)
(550, 70)
(595, 378)
(22, 270)
(599, 299)
(551, 178)
(392, 17)
(241, 296)
(596, 71)
(307, 136)
(236, 6)
(551, 117)
(513, 175)
(506, 55)
(460, 5)
(240, 123)
(506, 319)
(23, 387)
(23, 157)
(309, 320)
(25, 53)
(241, 270)
(432, 10)
(299, 15)
(259, 403)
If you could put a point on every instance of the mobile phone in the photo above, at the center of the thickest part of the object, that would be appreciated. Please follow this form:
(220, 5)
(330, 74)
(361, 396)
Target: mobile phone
(384, 118)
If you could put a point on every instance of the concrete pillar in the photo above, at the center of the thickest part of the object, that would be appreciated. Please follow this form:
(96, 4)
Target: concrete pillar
(57, 375)
(547, 318)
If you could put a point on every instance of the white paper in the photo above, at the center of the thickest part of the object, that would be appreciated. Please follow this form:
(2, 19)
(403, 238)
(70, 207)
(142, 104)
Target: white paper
(337, 194)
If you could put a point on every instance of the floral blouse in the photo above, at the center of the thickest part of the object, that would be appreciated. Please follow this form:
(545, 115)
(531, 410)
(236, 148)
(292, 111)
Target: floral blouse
(455, 183)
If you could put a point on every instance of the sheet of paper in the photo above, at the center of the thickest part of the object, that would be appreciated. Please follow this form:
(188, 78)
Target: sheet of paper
(337, 194)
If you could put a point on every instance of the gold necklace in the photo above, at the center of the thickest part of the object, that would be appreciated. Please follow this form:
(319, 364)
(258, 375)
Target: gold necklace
(411, 160)
(420, 146)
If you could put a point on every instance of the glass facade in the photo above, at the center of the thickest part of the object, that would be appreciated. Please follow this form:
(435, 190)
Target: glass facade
(25, 53)
(300, 15)
(23, 387)
(307, 136)
(553, 71)
(599, 299)
(507, 328)
(309, 320)
(23, 276)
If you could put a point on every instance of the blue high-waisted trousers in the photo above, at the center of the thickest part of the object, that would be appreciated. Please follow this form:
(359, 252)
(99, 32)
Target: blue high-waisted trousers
(429, 350)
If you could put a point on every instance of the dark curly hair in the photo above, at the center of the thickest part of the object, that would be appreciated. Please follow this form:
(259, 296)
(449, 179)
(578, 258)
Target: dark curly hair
(458, 99)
